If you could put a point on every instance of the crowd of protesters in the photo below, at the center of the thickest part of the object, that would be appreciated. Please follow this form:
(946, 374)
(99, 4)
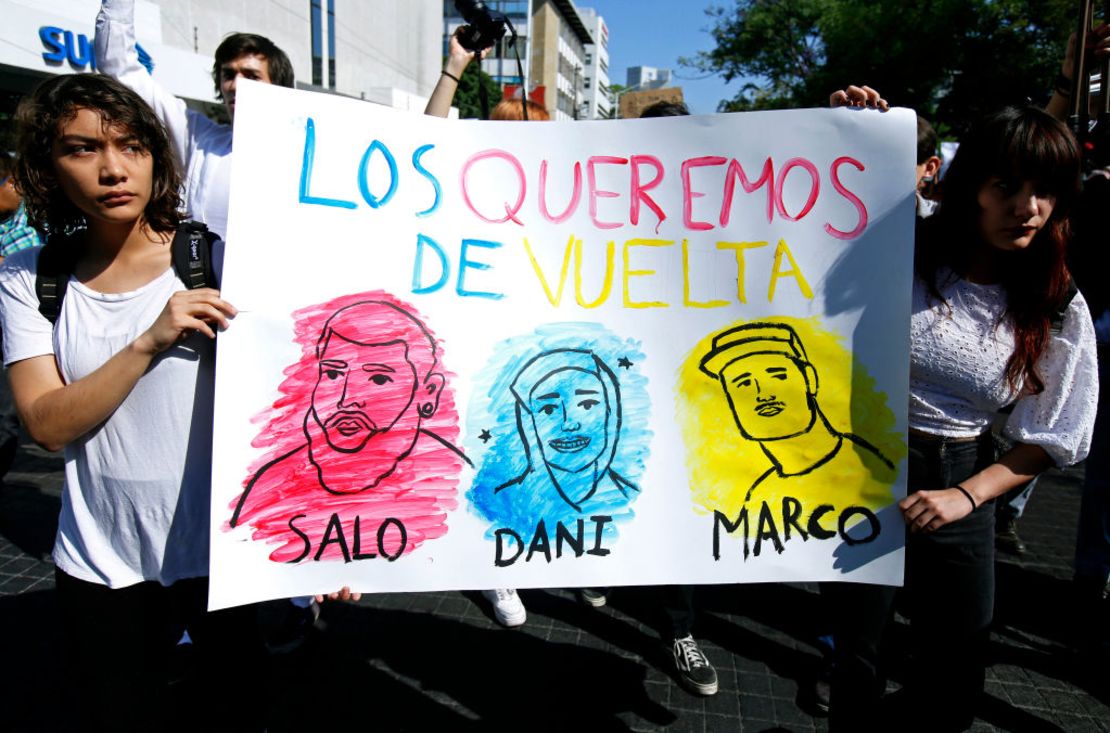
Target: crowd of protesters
(109, 165)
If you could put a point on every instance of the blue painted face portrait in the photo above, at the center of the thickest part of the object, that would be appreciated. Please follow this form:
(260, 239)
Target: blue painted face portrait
(570, 413)
(569, 416)
(560, 430)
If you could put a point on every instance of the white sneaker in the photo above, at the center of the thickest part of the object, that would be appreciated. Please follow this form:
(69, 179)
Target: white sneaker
(507, 607)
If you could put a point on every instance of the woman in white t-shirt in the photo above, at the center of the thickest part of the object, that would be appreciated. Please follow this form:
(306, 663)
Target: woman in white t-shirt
(122, 382)
(995, 323)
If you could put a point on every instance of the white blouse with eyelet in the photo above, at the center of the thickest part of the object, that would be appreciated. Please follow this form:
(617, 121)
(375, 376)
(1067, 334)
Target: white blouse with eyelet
(958, 356)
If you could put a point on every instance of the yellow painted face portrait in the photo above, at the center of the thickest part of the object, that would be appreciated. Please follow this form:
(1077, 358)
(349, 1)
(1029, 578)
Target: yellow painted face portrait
(744, 391)
(770, 395)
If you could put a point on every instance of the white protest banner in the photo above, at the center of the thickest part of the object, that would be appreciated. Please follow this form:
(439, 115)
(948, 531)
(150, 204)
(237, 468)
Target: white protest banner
(489, 354)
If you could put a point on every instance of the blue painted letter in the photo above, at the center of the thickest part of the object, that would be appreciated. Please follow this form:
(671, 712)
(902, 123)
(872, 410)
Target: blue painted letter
(306, 172)
(465, 263)
(418, 266)
(416, 156)
(363, 184)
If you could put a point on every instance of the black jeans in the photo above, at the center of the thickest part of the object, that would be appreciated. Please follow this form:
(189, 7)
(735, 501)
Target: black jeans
(116, 645)
(9, 422)
(678, 605)
(950, 599)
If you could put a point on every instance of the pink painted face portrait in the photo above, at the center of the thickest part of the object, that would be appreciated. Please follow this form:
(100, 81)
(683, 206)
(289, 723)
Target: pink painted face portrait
(362, 390)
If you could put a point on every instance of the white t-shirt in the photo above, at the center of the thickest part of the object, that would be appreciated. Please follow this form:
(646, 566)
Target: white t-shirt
(136, 493)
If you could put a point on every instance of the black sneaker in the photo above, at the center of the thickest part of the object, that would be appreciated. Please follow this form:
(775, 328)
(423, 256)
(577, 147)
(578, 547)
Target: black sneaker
(1006, 538)
(592, 597)
(694, 669)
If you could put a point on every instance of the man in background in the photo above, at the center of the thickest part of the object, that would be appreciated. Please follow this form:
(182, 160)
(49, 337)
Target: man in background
(15, 234)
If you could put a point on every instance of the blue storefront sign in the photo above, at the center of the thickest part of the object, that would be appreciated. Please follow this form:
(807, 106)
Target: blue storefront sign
(76, 48)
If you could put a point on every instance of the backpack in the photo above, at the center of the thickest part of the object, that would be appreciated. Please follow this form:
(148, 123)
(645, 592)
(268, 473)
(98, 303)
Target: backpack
(1056, 320)
(191, 253)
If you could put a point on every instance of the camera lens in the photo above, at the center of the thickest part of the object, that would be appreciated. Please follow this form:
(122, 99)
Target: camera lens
(470, 9)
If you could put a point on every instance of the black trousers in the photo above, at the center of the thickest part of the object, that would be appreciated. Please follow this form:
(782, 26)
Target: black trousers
(949, 594)
(117, 644)
(9, 422)
(678, 606)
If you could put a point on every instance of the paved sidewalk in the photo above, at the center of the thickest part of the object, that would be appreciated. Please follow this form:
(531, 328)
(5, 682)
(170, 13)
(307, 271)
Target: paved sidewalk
(437, 661)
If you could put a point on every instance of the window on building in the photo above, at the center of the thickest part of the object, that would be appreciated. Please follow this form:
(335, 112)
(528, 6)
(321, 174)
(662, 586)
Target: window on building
(331, 44)
(314, 13)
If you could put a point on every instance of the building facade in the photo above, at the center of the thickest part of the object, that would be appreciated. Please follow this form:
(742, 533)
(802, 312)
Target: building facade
(647, 77)
(559, 39)
(387, 51)
(595, 85)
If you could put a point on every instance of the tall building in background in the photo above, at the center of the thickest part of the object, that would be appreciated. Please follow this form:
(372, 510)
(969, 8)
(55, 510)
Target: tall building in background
(559, 39)
(647, 77)
(387, 51)
(595, 85)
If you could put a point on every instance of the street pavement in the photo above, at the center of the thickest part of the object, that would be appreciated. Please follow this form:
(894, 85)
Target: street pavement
(438, 661)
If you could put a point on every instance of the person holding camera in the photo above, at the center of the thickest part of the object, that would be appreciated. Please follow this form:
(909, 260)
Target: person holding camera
(508, 609)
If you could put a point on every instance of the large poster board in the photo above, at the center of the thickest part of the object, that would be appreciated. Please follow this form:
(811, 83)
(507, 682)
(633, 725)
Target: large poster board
(488, 354)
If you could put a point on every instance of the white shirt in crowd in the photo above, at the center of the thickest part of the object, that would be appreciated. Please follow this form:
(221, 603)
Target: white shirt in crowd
(958, 357)
(203, 147)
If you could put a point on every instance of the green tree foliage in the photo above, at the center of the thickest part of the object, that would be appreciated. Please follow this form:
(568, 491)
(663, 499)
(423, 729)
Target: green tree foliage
(950, 59)
(467, 99)
(615, 91)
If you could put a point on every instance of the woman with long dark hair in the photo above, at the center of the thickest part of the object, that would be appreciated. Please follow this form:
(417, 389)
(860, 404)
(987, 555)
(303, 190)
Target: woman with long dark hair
(122, 382)
(996, 323)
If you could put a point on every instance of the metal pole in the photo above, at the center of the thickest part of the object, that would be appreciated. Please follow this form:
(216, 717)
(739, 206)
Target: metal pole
(1080, 98)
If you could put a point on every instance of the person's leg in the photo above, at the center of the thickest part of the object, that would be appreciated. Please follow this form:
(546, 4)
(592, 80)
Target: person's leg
(950, 590)
(232, 661)
(1092, 545)
(678, 605)
(1008, 510)
(115, 645)
(9, 423)
(858, 616)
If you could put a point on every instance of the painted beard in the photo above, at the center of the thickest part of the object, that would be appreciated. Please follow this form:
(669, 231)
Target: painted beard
(366, 468)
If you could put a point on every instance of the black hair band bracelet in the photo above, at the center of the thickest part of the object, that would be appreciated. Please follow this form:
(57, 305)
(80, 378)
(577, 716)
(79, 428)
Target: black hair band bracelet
(966, 493)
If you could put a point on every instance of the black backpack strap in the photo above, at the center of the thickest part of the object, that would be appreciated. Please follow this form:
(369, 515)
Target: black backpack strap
(1056, 321)
(192, 255)
(55, 265)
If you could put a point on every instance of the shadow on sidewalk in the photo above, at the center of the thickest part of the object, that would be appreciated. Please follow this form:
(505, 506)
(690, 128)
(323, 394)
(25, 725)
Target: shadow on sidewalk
(419, 671)
(1039, 628)
(29, 518)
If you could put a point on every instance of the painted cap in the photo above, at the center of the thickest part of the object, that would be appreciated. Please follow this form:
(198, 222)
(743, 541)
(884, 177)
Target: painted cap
(748, 339)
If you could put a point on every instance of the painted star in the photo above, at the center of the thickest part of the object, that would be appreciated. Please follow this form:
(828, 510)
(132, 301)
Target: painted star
(484, 436)
(624, 362)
